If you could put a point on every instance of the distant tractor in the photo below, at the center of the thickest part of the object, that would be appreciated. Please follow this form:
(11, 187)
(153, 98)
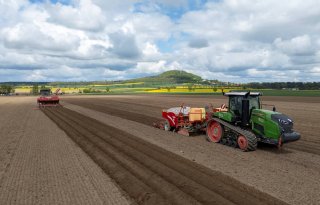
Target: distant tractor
(244, 123)
(48, 99)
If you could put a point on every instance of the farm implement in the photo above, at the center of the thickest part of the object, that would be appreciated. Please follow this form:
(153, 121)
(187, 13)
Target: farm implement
(184, 120)
(47, 99)
(243, 123)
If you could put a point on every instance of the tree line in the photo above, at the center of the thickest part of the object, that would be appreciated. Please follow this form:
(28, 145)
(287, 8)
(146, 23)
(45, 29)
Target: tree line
(6, 89)
(285, 85)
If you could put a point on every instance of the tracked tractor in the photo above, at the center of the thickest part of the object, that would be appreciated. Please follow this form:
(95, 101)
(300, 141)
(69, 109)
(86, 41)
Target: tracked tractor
(243, 123)
(48, 99)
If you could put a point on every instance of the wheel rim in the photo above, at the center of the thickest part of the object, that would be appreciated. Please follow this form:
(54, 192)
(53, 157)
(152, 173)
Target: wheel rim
(166, 125)
(215, 131)
(242, 142)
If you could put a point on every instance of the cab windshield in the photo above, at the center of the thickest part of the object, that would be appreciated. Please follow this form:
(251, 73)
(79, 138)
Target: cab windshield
(235, 105)
(45, 92)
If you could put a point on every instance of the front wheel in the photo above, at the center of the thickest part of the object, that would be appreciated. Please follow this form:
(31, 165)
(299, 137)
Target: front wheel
(214, 131)
(167, 126)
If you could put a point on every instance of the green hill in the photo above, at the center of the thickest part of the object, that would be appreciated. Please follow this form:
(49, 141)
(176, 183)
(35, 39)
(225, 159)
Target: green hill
(172, 76)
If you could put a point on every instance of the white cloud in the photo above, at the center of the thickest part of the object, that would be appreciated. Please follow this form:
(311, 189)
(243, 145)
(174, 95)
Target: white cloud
(150, 49)
(315, 71)
(151, 26)
(198, 43)
(113, 74)
(124, 45)
(233, 40)
(150, 67)
(298, 45)
(39, 35)
(84, 15)
(93, 49)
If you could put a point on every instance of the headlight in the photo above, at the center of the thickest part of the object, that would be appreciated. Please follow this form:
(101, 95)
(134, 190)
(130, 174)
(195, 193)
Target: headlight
(284, 122)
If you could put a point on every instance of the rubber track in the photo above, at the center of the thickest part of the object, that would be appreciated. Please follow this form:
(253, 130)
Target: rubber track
(149, 174)
(252, 139)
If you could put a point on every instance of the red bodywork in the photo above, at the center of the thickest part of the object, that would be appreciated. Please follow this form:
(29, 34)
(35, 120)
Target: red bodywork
(180, 121)
(47, 98)
(46, 101)
(54, 99)
(171, 117)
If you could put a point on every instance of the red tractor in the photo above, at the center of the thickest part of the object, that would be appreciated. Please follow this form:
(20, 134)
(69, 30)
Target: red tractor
(48, 99)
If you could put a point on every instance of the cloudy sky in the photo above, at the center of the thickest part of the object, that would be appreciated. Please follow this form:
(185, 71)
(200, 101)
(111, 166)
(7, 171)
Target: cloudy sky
(229, 40)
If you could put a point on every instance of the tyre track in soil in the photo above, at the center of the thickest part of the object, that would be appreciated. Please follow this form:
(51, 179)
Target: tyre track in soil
(148, 173)
(305, 146)
(110, 109)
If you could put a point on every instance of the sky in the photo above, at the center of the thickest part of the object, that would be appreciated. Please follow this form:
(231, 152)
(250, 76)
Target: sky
(228, 40)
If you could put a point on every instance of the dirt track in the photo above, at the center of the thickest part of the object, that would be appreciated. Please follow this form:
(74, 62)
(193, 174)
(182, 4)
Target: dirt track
(150, 174)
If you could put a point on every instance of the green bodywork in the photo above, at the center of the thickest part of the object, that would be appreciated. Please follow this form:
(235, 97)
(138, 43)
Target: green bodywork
(226, 116)
(263, 125)
(260, 120)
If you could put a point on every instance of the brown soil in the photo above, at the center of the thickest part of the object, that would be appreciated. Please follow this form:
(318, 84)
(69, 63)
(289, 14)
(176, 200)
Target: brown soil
(146, 111)
(111, 154)
(148, 173)
(291, 175)
(40, 164)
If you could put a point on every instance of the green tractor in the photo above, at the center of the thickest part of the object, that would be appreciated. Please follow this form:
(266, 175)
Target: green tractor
(244, 123)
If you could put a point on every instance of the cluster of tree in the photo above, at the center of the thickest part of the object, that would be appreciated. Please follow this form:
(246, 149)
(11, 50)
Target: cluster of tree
(35, 90)
(23, 83)
(285, 85)
(6, 89)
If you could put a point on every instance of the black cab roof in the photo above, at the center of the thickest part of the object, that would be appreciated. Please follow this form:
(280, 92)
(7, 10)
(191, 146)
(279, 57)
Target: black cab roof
(242, 94)
(45, 89)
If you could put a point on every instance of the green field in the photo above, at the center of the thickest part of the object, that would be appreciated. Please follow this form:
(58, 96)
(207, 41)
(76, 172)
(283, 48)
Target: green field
(315, 93)
(176, 89)
(173, 82)
(149, 88)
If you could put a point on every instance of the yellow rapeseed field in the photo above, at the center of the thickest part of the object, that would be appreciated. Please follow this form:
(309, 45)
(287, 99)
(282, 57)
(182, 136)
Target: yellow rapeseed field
(186, 90)
(23, 90)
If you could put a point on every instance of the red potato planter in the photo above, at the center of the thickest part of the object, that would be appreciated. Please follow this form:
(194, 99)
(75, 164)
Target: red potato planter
(183, 120)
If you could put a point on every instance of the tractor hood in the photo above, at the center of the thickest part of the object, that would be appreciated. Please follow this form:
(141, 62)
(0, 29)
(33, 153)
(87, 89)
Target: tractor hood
(284, 122)
(272, 124)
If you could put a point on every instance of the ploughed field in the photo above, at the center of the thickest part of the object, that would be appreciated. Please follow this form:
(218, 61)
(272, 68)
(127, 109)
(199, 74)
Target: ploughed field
(147, 109)
(104, 150)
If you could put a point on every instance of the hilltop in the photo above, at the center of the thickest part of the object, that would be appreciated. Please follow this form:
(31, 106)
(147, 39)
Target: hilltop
(172, 76)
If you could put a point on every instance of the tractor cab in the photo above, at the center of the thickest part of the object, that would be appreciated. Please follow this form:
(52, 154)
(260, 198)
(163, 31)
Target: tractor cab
(45, 92)
(241, 104)
(240, 107)
(47, 99)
